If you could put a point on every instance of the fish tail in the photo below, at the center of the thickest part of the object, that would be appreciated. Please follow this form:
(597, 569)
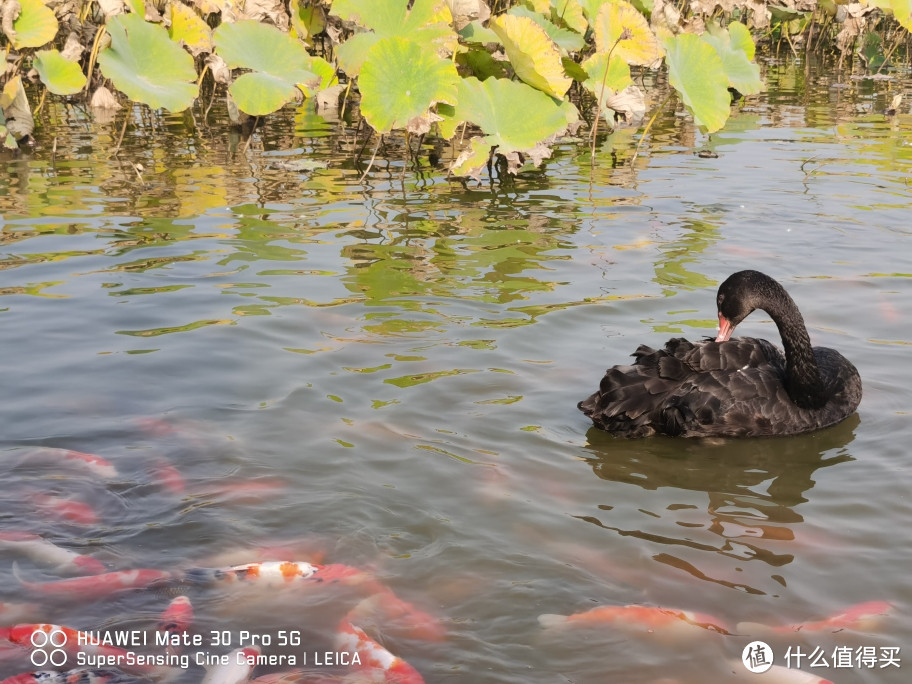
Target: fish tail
(548, 620)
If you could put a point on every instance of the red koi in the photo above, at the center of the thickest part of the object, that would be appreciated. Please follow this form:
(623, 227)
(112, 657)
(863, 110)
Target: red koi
(176, 619)
(79, 676)
(777, 675)
(397, 616)
(95, 586)
(236, 670)
(374, 658)
(296, 677)
(860, 617)
(40, 550)
(650, 618)
(89, 463)
(169, 477)
(63, 508)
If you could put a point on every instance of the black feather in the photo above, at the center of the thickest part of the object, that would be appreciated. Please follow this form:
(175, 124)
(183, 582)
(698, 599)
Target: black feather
(737, 388)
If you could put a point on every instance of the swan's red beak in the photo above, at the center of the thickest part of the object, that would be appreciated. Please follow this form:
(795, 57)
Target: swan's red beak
(725, 329)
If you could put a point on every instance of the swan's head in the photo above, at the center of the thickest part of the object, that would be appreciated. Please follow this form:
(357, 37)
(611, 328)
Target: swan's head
(741, 293)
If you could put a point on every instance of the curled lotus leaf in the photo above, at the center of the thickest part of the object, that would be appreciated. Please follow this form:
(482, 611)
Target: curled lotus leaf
(402, 80)
(620, 29)
(696, 71)
(147, 66)
(533, 55)
(743, 75)
(61, 76)
(35, 26)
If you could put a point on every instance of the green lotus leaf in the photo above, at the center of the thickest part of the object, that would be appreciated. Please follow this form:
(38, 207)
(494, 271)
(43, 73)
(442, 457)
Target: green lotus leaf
(307, 21)
(278, 61)
(533, 55)
(569, 13)
(147, 66)
(696, 71)
(426, 22)
(565, 39)
(402, 80)
(35, 26)
(902, 12)
(743, 75)
(621, 29)
(602, 84)
(515, 116)
(353, 52)
(60, 75)
(188, 26)
(481, 64)
(475, 32)
(741, 39)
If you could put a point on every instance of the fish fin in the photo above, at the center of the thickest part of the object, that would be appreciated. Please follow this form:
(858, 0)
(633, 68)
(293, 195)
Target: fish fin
(17, 573)
(547, 620)
(751, 628)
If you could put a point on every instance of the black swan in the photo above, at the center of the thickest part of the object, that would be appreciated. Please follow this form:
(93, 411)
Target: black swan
(743, 387)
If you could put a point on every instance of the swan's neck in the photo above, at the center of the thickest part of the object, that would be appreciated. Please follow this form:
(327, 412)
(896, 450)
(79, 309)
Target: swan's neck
(802, 376)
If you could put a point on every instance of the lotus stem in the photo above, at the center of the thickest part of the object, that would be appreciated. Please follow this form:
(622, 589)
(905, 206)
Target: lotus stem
(636, 152)
(93, 56)
(371, 162)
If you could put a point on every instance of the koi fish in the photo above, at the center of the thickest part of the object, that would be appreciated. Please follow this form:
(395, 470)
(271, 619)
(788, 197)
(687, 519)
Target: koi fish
(40, 550)
(269, 574)
(176, 618)
(169, 477)
(11, 613)
(296, 677)
(398, 616)
(88, 463)
(63, 508)
(243, 491)
(373, 657)
(236, 670)
(650, 618)
(95, 586)
(78, 676)
(861, 616)
(777, 675)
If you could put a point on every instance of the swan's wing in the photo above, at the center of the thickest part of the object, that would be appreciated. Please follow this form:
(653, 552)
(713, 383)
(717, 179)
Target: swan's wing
(683, 387)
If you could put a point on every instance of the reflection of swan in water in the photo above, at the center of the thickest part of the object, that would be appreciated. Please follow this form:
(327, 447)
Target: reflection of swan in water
(751, 497)
(736, 388)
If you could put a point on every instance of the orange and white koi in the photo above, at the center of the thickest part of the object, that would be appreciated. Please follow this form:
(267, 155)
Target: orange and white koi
(176, 618)
(63, 508)
(42, 551)
(861, 616)
(276, 574)
(648, 618)
(95, 586)
(236, 669)
(777, 674)
(89, 463)
(78, 676)
(397, 616)
(372, 657)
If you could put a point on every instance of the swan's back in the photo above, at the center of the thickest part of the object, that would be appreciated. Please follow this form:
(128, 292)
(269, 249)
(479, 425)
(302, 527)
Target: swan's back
(734, 388)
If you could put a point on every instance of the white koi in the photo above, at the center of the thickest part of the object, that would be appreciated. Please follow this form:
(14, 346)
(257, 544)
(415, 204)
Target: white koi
(236, 669)
(41, 551)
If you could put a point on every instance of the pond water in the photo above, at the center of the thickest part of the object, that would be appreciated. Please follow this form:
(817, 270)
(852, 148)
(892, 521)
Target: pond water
(385, 375)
